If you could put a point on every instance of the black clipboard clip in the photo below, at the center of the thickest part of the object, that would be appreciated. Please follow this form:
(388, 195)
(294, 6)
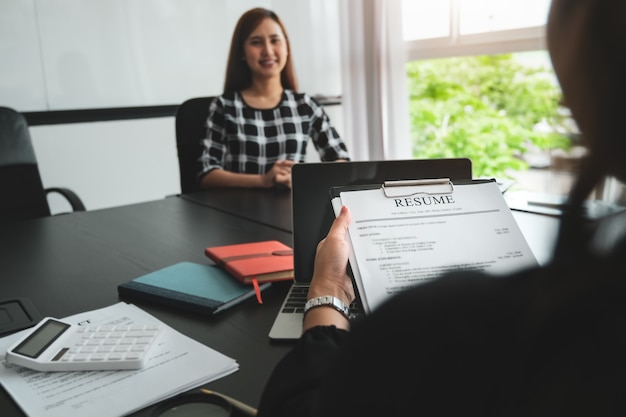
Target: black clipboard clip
(406, 188)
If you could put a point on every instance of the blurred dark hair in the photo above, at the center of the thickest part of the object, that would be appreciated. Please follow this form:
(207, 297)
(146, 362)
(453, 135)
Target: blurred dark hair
(603, 63)
(599, 96)
(238, 74)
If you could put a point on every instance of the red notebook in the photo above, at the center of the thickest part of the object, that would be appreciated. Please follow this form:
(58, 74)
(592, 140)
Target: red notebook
(265, 261)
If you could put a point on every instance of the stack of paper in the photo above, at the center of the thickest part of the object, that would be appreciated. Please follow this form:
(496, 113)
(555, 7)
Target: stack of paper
(177, 365)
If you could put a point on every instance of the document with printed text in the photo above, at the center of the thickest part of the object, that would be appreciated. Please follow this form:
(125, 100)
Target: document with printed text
(178, 364)
(407, 235)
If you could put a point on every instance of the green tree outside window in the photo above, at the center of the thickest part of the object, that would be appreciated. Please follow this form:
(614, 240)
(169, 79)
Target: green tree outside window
(490, 109)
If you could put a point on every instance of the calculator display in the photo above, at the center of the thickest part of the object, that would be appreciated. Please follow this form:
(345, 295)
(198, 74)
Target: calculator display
(43, 337)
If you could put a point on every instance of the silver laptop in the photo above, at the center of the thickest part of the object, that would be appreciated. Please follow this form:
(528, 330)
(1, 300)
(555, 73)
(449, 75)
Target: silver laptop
(312, 216)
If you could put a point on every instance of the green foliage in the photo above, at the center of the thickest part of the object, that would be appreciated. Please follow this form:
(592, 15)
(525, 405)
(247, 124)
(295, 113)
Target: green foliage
(490, 109)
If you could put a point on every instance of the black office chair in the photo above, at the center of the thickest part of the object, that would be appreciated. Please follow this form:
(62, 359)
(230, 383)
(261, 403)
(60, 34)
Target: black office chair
(22, 195)
(191, 118)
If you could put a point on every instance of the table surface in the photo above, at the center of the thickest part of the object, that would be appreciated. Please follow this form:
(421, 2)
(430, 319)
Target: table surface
(71, 263)
(67, 264)
(271, 207)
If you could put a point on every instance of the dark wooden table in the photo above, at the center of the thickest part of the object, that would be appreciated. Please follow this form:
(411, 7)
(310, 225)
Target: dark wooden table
(67, 264)
(71, 263)
(271, 207)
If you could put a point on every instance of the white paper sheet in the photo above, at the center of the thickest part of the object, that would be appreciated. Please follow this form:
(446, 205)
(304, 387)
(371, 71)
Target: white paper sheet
(177, 365)
(401, 241)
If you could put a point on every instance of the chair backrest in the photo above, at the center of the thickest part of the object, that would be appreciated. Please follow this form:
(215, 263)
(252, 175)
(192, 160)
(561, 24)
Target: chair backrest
(22, 193)
(191, 118)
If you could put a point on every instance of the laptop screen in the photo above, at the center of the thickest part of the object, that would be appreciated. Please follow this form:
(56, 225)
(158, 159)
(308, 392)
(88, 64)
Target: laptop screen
(311, 209)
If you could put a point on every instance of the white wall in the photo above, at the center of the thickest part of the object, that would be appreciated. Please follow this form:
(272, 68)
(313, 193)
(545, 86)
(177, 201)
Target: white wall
(77, 54)
(109, 163)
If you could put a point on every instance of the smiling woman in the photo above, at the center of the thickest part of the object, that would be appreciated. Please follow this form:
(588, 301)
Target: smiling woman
(140, 61)
(261, 125)
(266, 52)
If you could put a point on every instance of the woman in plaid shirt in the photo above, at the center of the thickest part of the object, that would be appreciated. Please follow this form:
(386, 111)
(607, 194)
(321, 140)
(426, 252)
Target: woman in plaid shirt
(260, 126)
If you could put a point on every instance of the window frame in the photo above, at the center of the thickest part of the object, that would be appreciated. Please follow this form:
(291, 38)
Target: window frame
(487, 43)
(523, 39)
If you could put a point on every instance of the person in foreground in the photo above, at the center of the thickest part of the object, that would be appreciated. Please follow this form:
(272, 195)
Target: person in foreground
(548, 341)
(260, 126)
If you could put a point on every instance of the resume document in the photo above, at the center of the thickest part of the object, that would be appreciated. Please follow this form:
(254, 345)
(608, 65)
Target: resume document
(403, 236)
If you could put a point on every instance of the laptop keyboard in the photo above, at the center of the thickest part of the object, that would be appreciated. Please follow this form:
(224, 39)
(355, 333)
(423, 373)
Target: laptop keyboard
(296, 299)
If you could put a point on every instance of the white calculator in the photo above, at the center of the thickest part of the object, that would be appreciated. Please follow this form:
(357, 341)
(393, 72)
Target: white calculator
(55, 345)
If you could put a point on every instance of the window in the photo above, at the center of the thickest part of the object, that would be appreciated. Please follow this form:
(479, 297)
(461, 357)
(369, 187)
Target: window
(449, 28)
(481, 85)
(478, 16)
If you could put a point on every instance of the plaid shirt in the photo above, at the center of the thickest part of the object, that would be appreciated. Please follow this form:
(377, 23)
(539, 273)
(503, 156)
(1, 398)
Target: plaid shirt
(247, 140)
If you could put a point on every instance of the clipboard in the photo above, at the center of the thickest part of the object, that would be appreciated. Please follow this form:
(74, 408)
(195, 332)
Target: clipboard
(408, 232)
(407, 188)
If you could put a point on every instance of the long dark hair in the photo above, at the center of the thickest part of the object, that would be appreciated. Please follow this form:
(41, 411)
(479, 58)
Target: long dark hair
(566, 289)
(602, 61)
(594, 96)
(238, 74)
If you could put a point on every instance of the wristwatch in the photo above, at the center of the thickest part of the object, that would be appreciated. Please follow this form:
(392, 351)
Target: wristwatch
(328, 300)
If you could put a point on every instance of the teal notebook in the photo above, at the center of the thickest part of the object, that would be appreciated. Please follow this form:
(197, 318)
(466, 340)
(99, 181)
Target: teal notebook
(190, 286)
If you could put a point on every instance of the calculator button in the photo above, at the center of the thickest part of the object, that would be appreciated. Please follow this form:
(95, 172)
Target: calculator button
(105, 349)
(98, 357)
(138, 348)
(80, 357)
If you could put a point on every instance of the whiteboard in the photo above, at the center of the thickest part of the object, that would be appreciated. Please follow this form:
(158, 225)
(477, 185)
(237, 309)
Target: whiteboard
(83, 54)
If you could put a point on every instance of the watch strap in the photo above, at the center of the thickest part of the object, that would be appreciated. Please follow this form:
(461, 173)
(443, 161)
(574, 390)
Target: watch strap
(330, 301)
